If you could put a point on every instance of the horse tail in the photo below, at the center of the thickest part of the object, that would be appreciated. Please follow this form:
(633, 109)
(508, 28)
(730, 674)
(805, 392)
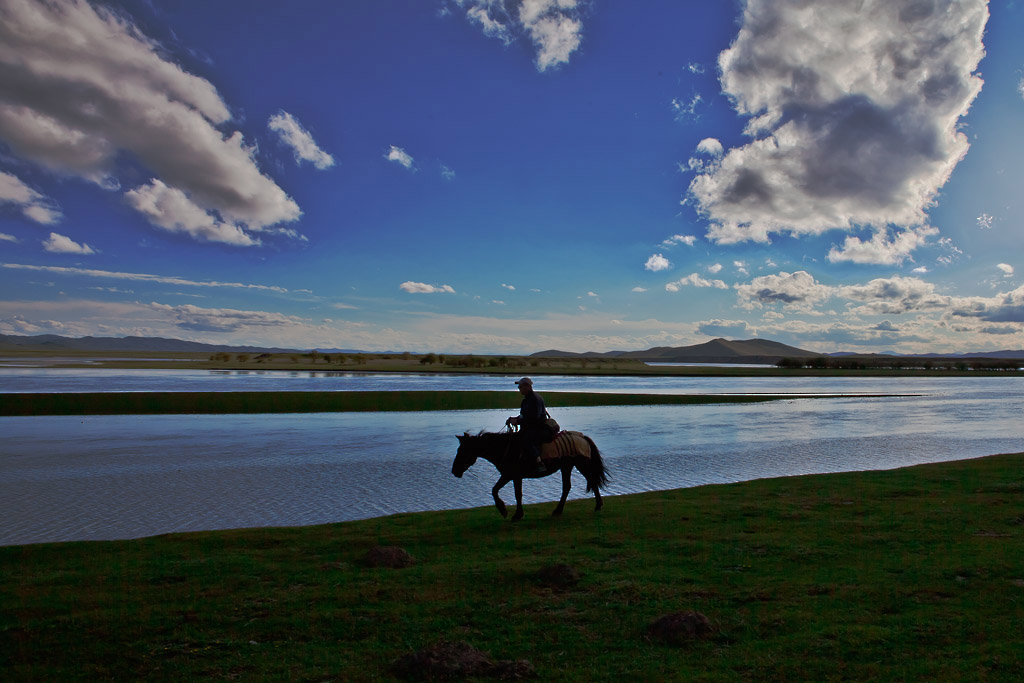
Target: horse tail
(597, 478)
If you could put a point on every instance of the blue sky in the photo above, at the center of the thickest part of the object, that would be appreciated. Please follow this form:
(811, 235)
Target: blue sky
(510, 176)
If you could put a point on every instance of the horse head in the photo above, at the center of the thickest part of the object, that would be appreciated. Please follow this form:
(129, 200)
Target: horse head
(465, 456)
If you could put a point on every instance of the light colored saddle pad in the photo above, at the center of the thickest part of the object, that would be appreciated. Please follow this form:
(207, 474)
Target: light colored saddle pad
(565, 445)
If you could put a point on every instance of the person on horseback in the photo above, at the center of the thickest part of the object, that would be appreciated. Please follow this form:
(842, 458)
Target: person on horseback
(533, 431)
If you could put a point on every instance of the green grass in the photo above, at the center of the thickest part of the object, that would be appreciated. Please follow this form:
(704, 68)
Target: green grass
(912, 574)
(234, 402)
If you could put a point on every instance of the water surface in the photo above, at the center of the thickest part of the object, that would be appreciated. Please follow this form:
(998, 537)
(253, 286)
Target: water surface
(104, 477)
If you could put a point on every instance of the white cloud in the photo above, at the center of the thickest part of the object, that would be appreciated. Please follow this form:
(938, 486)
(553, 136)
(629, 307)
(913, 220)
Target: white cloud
(83, 84)
(399, 156)
(694, 280)
(32, 204)
(798, 290)
(880, 249)
(714, 268)
(447, 173)
(300, 140)
(638, 289)
(196, 319)
(1006, 268)
(4, 237)
(711, 147)
(985, 221)
(682, 111)
(171, 209)
(688, 240)
(657, 262)
(1006, 307)
(854, 108)
(511, 288)
(141, 277)
(895, 295)
(724, 328)
(59, 244)
(553, 26)
(423, 288)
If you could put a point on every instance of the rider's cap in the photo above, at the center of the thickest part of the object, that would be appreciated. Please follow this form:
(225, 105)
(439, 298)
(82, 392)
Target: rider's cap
(527, 381)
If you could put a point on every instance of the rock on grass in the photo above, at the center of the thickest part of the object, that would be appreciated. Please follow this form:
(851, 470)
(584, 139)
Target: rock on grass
(388, 556)
(680, 628)
(457, 660)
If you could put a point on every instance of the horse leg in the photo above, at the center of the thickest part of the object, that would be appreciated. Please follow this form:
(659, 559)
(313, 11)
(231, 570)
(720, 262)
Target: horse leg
(498, 502)
(518, 481)
(592, 482)
(566, 485)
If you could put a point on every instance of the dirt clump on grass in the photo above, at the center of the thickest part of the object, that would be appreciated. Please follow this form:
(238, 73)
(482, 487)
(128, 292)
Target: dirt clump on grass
(558, 576)
(446, 661)
(388, 556)
(680, 628)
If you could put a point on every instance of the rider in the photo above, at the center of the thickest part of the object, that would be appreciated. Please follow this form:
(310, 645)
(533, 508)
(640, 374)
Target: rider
(531, 423)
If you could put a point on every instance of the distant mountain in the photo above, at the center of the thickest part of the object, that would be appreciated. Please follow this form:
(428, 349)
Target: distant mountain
(57, 343)
(714, 351)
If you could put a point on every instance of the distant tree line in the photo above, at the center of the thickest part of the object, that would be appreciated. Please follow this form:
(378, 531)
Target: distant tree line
(899, 363)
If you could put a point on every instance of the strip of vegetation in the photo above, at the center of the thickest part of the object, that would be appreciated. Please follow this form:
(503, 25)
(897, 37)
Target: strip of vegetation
(913, 574)
(235, 402)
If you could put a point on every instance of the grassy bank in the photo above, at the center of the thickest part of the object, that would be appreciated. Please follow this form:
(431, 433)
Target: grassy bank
(913, 574)
(235, 402)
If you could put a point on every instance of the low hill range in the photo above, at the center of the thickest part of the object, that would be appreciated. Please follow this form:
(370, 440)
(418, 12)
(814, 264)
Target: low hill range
(57, 344)
(715, 351)
(750, 351)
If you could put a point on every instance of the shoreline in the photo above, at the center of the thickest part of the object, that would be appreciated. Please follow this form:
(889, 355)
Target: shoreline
(248, 402)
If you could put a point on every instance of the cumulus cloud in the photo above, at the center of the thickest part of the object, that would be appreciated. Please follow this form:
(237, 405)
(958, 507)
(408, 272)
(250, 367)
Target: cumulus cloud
(711, 147)
(1006, 307)
(887, 296)
(881, 249)
(694, 280)
(657, 262)
(423, 288)
(300, 140)
(553, 26)
(4, 237)
(1006, 268)
(32, 204)
(724, 328)
(715, 267)
(171, 209)
(399, 156)
(59, 244)
(853, 109)
(688, 240)
(798, 290)
(82, 84)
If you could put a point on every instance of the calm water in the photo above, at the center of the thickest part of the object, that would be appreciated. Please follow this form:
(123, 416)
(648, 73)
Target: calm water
(74, 478)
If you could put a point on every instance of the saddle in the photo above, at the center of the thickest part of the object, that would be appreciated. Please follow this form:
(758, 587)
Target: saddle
(565, 445)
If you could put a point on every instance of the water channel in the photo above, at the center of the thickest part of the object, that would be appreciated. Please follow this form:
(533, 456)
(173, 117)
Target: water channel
(108, 477)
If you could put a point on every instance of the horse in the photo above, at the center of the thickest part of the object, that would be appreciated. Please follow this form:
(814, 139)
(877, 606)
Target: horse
(568, 450)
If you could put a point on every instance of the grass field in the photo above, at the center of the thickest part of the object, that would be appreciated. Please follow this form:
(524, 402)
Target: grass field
(912, 574)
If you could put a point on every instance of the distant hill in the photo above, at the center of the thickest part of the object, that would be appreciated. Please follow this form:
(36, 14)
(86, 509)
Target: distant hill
(56, 343)
(714, 351)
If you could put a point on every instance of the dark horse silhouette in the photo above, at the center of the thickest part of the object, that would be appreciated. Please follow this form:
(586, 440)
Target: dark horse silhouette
(502, 450)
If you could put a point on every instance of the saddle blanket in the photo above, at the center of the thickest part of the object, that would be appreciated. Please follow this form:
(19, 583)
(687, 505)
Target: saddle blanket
(566, 444)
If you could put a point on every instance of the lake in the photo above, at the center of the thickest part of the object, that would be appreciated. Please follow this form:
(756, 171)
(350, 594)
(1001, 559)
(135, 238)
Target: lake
(109, 477)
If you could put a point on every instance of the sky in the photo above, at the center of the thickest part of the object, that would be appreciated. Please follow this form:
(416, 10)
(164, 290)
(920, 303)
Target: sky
(513, 176)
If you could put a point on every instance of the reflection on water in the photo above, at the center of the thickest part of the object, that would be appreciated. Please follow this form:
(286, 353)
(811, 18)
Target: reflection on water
(102, 477)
